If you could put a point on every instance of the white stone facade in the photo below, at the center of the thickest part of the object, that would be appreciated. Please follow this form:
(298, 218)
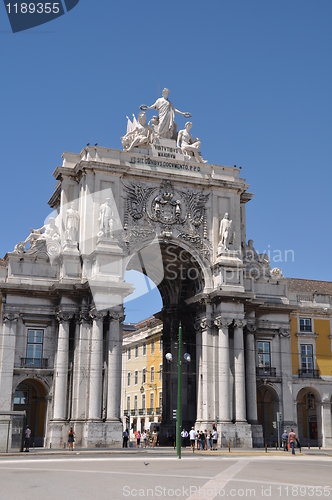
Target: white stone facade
(154, 210)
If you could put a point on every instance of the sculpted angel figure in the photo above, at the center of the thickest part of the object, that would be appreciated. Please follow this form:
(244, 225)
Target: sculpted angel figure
(45, 234)
(189, 145)
(138, 133)
(166, 110)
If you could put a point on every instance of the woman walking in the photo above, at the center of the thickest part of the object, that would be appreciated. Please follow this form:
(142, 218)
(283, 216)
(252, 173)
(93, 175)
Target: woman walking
(71, 439)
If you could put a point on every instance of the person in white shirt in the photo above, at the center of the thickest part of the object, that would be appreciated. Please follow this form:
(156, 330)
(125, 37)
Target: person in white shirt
(192, 436)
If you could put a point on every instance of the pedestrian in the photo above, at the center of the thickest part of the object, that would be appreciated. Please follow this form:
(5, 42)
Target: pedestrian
(192, 435)
(198, 441)
(291, 440)
(184, 436)
(202, 440)
(144, 438)
(210, 440)
(154, 437)
(284, 438)
(125, 439)
(27, 434)
(214, 438)
(138, 439)
(71, 439)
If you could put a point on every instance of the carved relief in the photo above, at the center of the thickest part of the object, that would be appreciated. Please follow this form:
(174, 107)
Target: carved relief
(166, 212)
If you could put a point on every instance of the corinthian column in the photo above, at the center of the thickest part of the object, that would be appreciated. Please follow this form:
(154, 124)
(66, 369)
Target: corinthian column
(223, 369)
(61, 368)
(96, 365)
(240, 391)
(114, 366)
(251, 375)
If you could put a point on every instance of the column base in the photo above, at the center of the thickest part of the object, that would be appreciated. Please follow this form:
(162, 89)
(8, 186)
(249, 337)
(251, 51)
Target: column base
(91, 434)
(238, 435)
(257, 435)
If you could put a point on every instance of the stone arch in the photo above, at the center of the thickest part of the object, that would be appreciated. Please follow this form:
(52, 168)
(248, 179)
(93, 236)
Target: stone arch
(31, 395)
(180, 272)
(267, 408)
(309, 420)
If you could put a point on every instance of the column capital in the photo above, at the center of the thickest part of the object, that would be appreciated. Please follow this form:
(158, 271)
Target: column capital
(240, 323)
(83, 316)
(10, 317)
(221, 322)
(250, 327)
(63, 317)
(284, 332)
(97, 315)
(117, 316)
(202, 324)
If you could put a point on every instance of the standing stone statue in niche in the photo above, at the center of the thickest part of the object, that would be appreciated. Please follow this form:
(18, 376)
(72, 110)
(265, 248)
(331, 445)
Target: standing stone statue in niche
(105, 219)
(166, 127)
(72, 222)
(188, 145)
(138, 133)
(225, 233)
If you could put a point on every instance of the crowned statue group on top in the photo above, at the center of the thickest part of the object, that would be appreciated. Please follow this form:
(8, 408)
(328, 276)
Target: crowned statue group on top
(142, 134)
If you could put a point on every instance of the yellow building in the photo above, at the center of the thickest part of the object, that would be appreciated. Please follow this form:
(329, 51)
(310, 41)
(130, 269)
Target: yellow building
(311, 345)
(142, 365)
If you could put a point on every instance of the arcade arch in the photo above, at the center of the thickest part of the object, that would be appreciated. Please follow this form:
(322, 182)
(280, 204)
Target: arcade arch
(309, 416)
(31, 395)
(267, 408)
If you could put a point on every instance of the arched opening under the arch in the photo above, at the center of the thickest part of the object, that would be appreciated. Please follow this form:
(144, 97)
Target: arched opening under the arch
(179, 276)
(308, 417)
(267, 408)
(31, 396)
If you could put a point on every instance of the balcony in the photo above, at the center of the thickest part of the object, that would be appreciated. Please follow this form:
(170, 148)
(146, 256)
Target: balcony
(150, 411)
(268, 371)
(133, 413)
(158, 411)
(34, 362)
(126, 413)
(308, 373)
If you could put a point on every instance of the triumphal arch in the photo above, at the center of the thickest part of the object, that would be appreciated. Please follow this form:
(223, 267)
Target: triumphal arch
(161, 208)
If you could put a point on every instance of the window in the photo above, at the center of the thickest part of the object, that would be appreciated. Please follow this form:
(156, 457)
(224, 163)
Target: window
(152, 375)
(305, 325)
(151, 400)
(144, 349)
(160, 400)
(128, 379)
(152, 346)
(160, 373)
(143, 401)
(160, 344)
(136, 351)
(135, 402)
(128, 403)
(264, 356)
(21, 396)
(129, 353)
(144, 376)
(136, 377)
(307, 363)
(35, 348)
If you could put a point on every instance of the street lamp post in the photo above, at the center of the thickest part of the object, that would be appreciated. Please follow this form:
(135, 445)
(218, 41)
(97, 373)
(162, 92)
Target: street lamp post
(179, 402)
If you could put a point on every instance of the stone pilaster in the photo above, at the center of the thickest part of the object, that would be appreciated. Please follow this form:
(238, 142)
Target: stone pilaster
(240, 390)
(251, 387)
(199, 376)
(114, 366)
(7, 343)
(96, 365)
(224, 366)
(80, 371)
(61, 367)
(287, 377)
(205, 378)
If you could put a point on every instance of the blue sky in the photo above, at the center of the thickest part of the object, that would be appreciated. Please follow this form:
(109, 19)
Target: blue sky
(256, 76)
